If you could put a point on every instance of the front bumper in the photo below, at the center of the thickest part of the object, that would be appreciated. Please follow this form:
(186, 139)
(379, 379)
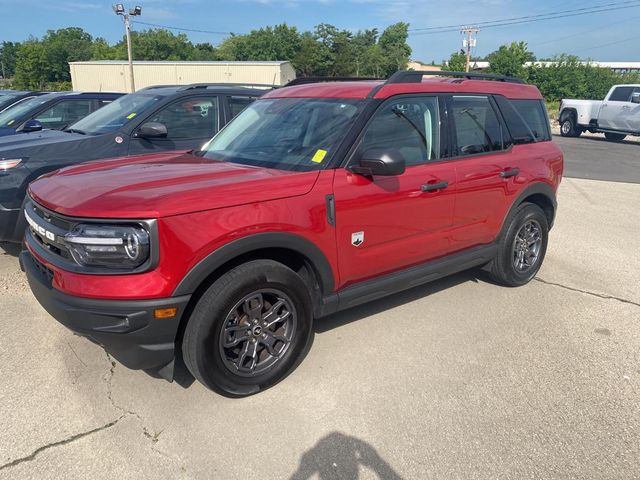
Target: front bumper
(127, 329)
(8, 220)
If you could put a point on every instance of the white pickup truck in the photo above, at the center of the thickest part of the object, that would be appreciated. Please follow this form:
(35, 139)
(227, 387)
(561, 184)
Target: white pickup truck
(617, 116)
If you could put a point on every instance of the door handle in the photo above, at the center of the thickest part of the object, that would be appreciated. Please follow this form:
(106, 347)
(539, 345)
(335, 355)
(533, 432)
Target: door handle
(626, 107)
(510, 172)
(430, 187)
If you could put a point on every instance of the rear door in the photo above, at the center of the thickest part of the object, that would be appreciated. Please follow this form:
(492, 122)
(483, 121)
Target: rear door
(631, 114)
(64, 112)
(387, 223)
(487, 169)
(190, 121)
(614, 109)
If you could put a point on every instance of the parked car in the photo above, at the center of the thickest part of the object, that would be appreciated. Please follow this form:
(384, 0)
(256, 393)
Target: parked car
(617, 116)
(9, 98)
(151, 120)
(52, 111)
(318, 197)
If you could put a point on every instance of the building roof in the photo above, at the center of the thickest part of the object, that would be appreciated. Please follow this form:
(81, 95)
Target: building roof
(169, 62)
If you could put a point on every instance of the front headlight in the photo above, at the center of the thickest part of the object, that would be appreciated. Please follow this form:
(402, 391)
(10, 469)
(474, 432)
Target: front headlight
(7, 163)
(111, 246)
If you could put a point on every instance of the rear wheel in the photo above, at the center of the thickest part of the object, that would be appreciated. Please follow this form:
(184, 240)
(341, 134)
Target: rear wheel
(568, 127)
(522, 247)
(614, 137)
(249, 328)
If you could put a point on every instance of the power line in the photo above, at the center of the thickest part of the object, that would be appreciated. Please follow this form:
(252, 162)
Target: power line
(585, 32)
(530, 18)
(182, 29)
(605, 44)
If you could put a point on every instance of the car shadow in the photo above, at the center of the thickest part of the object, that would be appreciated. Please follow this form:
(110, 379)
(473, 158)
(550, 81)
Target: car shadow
(12, 249)
(387, 303)
(339, 456)
(601, 139)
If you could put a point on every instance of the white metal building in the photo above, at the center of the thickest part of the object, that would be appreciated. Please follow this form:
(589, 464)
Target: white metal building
(113, 75)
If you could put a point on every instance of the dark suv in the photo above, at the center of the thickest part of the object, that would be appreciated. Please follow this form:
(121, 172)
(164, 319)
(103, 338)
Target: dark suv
(52, 111)
(317, 198)
(151, 120)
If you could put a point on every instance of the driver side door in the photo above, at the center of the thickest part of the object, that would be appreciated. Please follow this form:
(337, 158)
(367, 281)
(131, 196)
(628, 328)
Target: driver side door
(190, 122)
(385, 223)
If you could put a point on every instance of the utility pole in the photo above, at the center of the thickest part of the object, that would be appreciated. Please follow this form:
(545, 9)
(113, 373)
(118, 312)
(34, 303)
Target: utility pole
(469, 42)
(119, 9)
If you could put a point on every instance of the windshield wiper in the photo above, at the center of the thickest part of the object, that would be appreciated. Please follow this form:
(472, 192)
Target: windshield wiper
(74, 130)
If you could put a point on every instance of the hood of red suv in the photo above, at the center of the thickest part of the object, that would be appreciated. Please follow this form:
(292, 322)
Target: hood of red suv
(159, 185)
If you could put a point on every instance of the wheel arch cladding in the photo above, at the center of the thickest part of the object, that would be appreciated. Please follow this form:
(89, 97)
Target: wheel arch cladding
(540, 194)
(294, 251)
(568, 112)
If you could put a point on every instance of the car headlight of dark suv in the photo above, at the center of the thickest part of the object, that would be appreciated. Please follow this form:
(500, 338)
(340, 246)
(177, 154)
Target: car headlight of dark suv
(110, 246)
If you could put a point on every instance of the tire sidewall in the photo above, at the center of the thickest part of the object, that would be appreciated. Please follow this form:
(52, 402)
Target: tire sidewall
(523, 215)
(211, 311)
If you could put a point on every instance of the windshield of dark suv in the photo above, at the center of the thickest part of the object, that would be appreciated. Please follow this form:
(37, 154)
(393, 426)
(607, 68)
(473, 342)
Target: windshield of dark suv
(116, 114)
(297, 134)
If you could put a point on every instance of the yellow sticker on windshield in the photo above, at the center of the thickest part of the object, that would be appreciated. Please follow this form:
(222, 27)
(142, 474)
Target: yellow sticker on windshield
(319, 156)
(130, 116)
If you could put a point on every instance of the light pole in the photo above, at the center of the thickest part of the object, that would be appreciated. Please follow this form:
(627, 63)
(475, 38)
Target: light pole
(118, 8)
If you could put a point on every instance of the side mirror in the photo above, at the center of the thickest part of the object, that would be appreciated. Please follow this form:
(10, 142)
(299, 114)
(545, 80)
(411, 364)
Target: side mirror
(30, 126)
(635, 97)
(152, 130)
(380, 161)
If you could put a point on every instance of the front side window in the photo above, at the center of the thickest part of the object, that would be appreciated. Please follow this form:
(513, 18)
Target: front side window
(299, 134)
(239, 103)
(193, 117)
(64, 113)
(410, 125)
(621, 94)
(477, 128)
(116, 114)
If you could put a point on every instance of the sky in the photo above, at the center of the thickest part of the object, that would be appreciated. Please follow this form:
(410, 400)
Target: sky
(605, 36)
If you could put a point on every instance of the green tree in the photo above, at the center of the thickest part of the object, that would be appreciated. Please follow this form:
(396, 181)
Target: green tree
(101, 50)
(457, 62)
(156, 44)
(510, 60)
(63, 46)
(32, 72)
(394, 47)
(8, 52)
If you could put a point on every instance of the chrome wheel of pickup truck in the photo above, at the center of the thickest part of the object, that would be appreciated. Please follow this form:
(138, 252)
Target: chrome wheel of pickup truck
(568, 127)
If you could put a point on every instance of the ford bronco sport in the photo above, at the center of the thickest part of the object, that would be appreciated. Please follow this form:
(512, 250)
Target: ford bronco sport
(316, 198)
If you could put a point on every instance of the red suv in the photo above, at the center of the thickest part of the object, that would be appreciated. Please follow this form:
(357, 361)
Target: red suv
(316, 198)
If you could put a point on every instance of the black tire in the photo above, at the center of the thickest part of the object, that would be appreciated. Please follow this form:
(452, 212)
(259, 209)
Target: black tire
(503, 269)
(568, 126)
(203, 345)
(614, 137)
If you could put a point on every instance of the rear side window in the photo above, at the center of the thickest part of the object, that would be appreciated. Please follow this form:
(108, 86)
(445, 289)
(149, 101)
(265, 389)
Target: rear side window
(477, 128)
(621, 94)
(534, 114)
(64, 113)
(192, 117)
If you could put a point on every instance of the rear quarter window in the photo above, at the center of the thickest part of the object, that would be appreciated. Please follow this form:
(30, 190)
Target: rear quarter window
(527, 120)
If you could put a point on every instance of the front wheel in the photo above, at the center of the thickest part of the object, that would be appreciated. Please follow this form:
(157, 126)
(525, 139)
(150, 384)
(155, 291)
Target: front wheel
(522, 247)
(249, 328)
(615, 137)
(568, 127)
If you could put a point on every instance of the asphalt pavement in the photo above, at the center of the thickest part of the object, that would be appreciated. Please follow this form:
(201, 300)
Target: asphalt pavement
(594, 157)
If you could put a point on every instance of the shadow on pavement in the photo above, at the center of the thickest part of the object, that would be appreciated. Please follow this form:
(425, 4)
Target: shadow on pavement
(377, 306)
(339, 456)
(600, 139)
(12, 249)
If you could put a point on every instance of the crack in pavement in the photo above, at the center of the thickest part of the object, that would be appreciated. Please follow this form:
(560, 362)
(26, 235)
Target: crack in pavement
(587, 292)
(73, 438)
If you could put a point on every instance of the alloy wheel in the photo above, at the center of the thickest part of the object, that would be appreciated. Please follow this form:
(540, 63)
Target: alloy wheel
(526, 246)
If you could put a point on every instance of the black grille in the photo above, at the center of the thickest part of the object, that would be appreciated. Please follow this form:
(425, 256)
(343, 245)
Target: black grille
(46, 272)
(51, 230)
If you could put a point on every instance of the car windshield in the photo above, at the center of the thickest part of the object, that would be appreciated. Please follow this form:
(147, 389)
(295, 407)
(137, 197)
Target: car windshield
(298, 134)
(12, 116)
(116, 114)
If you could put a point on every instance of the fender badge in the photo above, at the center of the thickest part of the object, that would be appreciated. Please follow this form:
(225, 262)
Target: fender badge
(119, 139)
(357, 239)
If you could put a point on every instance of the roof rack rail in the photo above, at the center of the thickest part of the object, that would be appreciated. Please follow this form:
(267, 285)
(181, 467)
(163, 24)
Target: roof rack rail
(306, 80)
(411, 76)
(249, 85)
